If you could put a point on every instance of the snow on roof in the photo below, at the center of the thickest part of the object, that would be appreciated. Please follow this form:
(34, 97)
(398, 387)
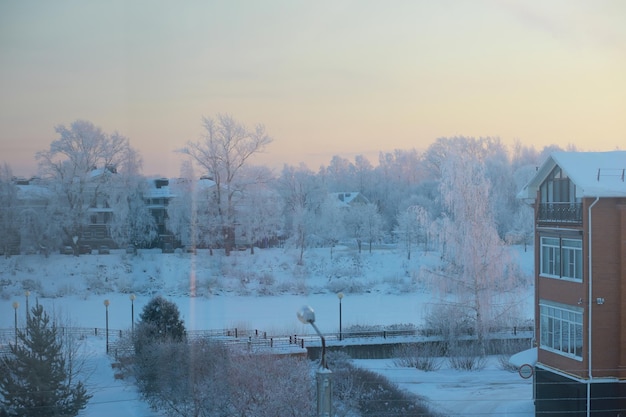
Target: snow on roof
(32, 192)
(595, 174)
(347, 197)
(525, 357)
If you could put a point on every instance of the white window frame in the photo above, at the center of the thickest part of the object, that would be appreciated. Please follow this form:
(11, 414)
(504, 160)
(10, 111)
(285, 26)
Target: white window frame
(561, 257)
(561, 329)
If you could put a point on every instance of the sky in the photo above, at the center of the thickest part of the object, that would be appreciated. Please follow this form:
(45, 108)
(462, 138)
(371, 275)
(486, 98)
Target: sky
(345, 77)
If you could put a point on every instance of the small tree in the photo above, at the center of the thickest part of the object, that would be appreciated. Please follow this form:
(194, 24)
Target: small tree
(160, 322)
(35, 378)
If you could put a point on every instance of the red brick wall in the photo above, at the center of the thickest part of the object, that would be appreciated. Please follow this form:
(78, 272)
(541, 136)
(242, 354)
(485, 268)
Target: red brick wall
(609, 283)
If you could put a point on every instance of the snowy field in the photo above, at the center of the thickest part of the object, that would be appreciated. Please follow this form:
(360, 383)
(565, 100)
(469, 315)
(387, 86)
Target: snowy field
(264, 292)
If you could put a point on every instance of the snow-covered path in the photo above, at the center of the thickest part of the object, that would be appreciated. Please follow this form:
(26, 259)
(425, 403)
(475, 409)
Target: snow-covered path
(111, 396)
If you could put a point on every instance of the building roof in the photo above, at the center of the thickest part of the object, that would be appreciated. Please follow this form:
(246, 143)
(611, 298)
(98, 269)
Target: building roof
(595, 174)
(347, 198)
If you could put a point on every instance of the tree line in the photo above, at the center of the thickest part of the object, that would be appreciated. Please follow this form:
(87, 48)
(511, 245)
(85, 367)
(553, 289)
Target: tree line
(93, 177)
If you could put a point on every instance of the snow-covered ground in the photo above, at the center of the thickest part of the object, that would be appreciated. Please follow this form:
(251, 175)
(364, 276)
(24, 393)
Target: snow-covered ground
(264, 292)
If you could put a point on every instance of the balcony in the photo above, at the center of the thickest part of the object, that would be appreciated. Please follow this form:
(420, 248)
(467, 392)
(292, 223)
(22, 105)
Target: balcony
(567, 212)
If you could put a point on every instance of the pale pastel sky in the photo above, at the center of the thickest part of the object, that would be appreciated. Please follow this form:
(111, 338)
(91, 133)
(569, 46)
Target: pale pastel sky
(325, 78)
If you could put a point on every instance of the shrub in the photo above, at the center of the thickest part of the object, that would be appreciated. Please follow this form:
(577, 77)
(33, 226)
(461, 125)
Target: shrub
(466, 358)
(424, 356)
(357, 391)
(505, 365)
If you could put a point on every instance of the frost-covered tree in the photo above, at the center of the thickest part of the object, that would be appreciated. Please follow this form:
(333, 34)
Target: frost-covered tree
(363, 172)
(192, 213)
(338, 175)
(302, 194)
(81, 166)
(397, 176)
(412, 226)
(132, 222)
(330, 222)
(259, 215)
(363, 223)
(223, 153)
(182, 217)
(478, 269)
(36, 379)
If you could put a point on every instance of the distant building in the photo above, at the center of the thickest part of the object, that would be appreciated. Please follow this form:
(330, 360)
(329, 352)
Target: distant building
(350, 198)
(580, 283)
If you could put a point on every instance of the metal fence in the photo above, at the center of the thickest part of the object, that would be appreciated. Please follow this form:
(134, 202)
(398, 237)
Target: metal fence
(257, 340)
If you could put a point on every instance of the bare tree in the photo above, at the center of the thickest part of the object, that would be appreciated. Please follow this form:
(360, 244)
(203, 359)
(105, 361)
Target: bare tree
(223, 152)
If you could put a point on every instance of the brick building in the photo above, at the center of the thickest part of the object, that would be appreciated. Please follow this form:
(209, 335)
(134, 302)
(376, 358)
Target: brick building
(580, 283)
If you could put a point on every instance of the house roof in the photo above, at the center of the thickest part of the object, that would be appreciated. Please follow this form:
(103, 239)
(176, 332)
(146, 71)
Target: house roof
(346, 198)
(595, 174)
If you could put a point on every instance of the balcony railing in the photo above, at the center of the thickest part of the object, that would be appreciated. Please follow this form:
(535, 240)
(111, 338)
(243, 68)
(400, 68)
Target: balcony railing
(567, 212)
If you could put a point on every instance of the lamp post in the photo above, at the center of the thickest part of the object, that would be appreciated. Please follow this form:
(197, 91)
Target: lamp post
(340, 296)
(15, 306)
(132, 313)
(27, 294)
(106, 306)
(323, 375)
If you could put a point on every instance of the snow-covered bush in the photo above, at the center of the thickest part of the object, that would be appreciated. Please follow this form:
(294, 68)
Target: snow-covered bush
(424, 356)
(466, 357)
(359, 392)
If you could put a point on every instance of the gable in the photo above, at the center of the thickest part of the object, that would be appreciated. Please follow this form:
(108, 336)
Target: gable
(595, 174)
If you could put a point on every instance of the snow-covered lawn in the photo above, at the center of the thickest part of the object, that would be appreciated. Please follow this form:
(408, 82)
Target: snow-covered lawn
(487, 392)
(264, 292)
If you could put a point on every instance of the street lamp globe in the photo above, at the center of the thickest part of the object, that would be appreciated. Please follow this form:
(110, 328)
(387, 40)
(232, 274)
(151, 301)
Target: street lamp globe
(306, 315)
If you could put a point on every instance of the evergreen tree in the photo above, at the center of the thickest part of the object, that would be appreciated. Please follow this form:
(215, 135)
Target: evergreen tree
(35, 379)
(160, 321)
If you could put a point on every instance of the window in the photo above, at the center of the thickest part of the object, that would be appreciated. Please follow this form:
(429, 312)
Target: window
(561, 329)
(558, 188)
(561, 258)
